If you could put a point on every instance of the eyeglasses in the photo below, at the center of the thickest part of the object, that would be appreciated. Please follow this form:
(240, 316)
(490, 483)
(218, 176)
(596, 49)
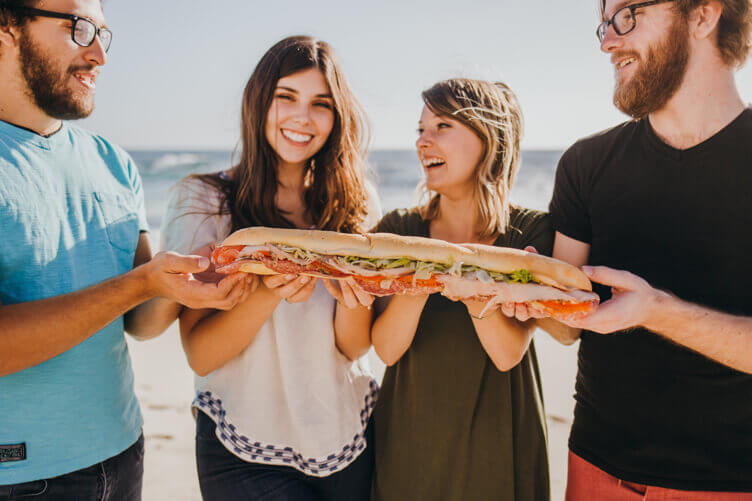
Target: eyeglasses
(83, 31)
(624, 19)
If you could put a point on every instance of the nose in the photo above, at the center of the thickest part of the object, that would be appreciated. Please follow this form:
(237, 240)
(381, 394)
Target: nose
(611, 41)
(423, 141)
(96, 54)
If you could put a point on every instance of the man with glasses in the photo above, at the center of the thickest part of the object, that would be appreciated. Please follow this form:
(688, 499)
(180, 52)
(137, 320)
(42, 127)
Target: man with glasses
(75, 267)
(664, 387)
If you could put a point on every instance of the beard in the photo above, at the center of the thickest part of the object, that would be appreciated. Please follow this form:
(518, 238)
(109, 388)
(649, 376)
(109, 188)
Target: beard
(659, 76)
(48, 86)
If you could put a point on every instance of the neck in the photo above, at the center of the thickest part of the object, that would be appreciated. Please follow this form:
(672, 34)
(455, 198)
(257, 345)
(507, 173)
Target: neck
(18, 108)
(706, 102)
(457, 219)
(291, 176)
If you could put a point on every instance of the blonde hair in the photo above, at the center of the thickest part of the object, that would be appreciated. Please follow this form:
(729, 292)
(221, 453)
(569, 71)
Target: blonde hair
(491, 110)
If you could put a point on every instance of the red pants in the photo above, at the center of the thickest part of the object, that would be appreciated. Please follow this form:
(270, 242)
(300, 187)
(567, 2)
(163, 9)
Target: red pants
(586, 482)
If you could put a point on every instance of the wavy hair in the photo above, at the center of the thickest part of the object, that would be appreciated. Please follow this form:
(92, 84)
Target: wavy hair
(335, 193)
(491, 110)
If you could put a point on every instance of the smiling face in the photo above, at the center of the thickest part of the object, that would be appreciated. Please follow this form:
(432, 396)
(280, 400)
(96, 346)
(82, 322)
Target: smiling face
(449, 153)
(59, 74)
(650, 61)
(301, 116)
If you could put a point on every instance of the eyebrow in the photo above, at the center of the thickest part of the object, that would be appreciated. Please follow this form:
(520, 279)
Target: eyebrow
(619, 5)
(294, 91)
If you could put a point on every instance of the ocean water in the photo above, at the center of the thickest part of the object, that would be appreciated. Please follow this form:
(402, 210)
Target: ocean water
(396, 174)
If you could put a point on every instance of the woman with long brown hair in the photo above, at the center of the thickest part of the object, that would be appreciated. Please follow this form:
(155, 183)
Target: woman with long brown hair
(460, 412)
(282, 402)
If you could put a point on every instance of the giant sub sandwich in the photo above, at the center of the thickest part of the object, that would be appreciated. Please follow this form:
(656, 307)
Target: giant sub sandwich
(383, 264)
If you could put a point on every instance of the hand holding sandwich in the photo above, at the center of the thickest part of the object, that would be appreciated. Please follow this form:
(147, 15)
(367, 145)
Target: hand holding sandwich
(291, 287)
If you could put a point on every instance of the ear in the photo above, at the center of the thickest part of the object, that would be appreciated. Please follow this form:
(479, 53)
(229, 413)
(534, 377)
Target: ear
(8, 35)
(704, 19)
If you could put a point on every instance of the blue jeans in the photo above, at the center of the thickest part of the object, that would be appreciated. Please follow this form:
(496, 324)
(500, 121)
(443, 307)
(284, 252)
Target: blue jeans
(116, 479)
(223, 476)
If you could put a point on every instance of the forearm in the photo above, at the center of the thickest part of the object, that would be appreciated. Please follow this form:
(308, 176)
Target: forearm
(394, 330)
(151, 318)
(219, 336)
(505, 339)
(562, 333)
(37, 331)
(725, 338)
(352, 330)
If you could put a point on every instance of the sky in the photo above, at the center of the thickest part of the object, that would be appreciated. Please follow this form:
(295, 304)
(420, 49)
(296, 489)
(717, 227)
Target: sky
(176, 69)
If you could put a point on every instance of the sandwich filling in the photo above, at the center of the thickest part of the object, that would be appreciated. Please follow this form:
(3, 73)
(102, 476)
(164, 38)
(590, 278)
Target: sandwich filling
(383, 277)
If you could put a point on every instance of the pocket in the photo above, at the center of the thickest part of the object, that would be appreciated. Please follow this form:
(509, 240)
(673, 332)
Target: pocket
(28, 489)
(120, 220)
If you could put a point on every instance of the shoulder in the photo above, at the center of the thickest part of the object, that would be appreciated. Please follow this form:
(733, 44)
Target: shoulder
(591, 149)
(111, 153)
(194, 194)
(530, 227)
(400, 222)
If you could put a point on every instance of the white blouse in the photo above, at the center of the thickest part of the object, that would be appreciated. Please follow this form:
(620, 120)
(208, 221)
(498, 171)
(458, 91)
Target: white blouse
(290, 397)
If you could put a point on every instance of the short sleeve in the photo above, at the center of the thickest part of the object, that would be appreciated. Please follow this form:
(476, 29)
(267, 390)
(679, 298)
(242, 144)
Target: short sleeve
(138, 191)
(529, 227)
(393, 222)
(373, 207)
(192, 217)
(569, 208)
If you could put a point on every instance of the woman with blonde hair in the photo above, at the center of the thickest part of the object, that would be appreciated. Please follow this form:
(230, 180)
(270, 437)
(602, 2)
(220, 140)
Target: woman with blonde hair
(282, 402)
(460, 413)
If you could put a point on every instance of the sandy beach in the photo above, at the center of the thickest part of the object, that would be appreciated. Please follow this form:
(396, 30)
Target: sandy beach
(164, 386)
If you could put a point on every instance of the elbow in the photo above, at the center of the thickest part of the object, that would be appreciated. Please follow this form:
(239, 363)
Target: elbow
(506, 364)
(389, 360)
(201, 370)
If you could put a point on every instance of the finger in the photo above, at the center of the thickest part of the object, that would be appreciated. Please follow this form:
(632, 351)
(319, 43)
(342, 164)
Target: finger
(508, 309)
(531, 249)
(615, 278)
(364, 298)
(225, 285)
(275, 281)
(291, 288)
(178, 263)
(253, 282)
(204, 250)
(234, 296)
(521, 313)
(304, 292)
(348, 296)
(333, 289)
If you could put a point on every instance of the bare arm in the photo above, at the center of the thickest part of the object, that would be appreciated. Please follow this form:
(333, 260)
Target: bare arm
(212, 338)
(352, 318)
(37, 331)
(505, 339)
(725, 338)
(393, 331)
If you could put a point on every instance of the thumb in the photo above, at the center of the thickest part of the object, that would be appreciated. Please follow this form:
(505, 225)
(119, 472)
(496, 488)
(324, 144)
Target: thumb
(614, 278)
(187, 264)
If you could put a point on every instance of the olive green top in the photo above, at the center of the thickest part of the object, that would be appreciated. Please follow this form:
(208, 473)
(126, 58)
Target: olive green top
(448, 424)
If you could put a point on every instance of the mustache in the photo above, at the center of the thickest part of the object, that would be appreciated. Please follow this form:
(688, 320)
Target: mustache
(89, 68)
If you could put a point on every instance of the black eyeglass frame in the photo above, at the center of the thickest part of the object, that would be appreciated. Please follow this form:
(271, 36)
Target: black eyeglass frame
(600, 31)
(75, 19)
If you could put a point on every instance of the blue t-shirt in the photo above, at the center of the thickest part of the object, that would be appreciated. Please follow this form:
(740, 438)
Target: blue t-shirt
(71, 209)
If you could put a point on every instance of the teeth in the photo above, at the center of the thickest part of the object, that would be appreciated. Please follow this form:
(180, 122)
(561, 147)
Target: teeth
(624, 62)
(428, 162)
(86, 80)
(294, 136)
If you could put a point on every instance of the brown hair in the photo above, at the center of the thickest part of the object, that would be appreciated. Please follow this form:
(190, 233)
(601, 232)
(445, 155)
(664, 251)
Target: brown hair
(734, 27)
(335, 193)
(492, 112)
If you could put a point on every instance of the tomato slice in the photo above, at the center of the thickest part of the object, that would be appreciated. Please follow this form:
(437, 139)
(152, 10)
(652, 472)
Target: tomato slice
(405, 279)
(560, 307)
(226, 254)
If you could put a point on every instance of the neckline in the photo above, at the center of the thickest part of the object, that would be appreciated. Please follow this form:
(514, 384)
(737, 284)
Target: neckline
(30, 137)
(681, 154)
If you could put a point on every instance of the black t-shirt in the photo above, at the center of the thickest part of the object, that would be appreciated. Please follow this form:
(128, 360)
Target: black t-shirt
(648, 410)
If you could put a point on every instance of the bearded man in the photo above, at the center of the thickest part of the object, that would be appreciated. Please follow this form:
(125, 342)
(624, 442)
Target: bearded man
(75, 267)
(664, 399)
